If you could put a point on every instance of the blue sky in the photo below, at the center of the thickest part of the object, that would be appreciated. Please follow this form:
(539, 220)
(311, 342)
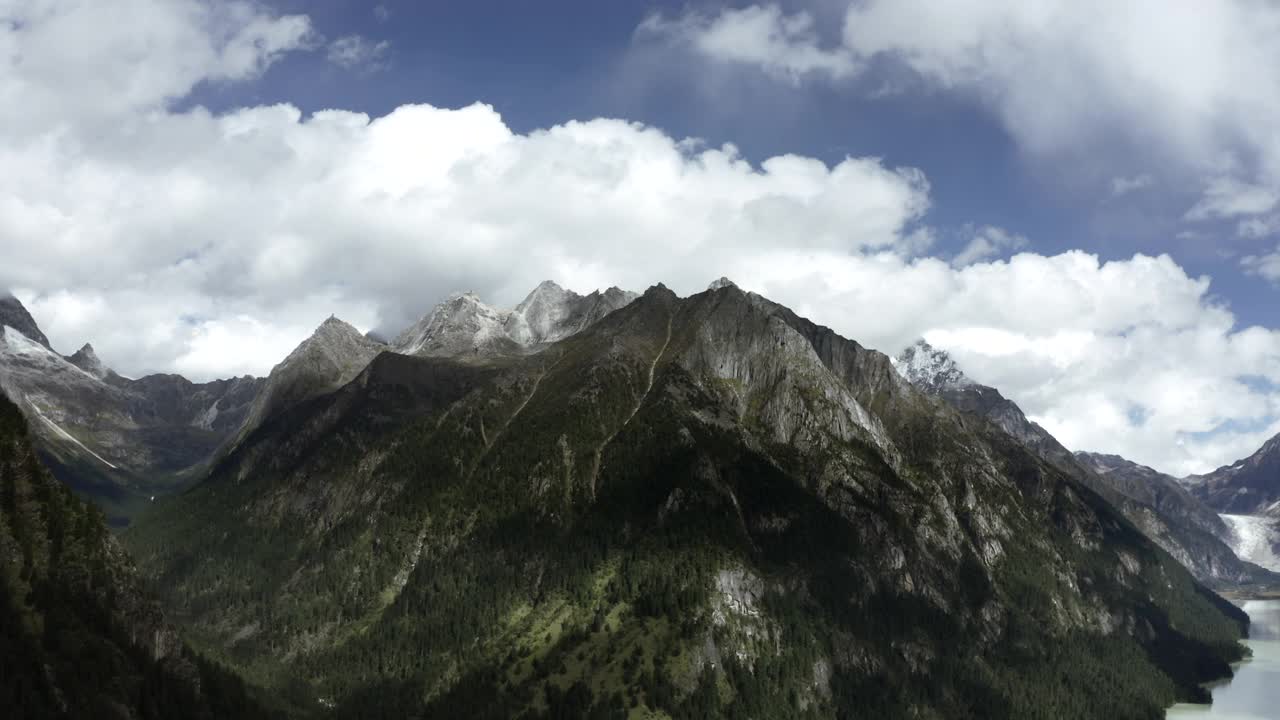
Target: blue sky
(1080, 199)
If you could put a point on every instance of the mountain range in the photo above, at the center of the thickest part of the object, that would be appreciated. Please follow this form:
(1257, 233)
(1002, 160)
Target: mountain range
(651, 506)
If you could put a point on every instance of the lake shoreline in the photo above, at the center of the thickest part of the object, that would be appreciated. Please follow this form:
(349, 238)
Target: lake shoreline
(1253, 691)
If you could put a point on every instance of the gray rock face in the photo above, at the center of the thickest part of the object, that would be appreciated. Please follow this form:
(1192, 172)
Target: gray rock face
(461, 325)
(771, 368)
(15, 315)
(1247, 487)
(1178, 522)
(334, 355)
(464, 326)
(1154, 488)
(87, 360)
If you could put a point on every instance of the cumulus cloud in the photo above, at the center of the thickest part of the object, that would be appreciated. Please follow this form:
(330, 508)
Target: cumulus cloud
(263, 206)
(785, 45)
(81, 63)
(358, 52)
(211, 244)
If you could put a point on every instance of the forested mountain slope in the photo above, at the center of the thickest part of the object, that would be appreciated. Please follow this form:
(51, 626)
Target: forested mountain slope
(78, 638)
(694, 507)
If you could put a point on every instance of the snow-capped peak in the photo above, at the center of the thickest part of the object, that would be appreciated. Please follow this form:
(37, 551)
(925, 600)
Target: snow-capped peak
(460, 324)
(465, 325)
(722, 282)
(929, 368)
(34, 357)
(13, 314)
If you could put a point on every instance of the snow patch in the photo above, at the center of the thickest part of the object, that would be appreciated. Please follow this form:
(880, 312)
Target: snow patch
(929, 368)
(66, 435)
(1253, 539)
(19, 344)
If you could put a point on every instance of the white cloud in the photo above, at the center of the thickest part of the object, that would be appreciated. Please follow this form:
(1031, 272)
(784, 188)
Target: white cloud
(84, 62)
(987, 242)
(785, 45)
(359, 52)
(1190, 84)
(1121, 186)
(262, 206)
(1226, 197)
(211, 244)
(1265, 266)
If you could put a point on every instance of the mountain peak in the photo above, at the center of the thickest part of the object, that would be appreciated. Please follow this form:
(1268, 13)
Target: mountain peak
(546, 285)
(463, 323)
(335, 323)
(15, 315)
(87, 360)
(659, 289)
(930, 368)
(722, 282)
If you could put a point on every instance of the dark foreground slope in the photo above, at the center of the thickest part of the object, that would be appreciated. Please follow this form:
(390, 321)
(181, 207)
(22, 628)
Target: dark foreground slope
(77, 637)
(694, 508)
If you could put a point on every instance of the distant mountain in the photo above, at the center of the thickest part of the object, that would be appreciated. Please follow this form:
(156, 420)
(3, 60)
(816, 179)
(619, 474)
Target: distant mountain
(693, 507)
(1155, 503)
(1247, 487)
(78, 637)
(464, 326)
(115, 440)
(87, 360)
(1157, 490)
(333, 356)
